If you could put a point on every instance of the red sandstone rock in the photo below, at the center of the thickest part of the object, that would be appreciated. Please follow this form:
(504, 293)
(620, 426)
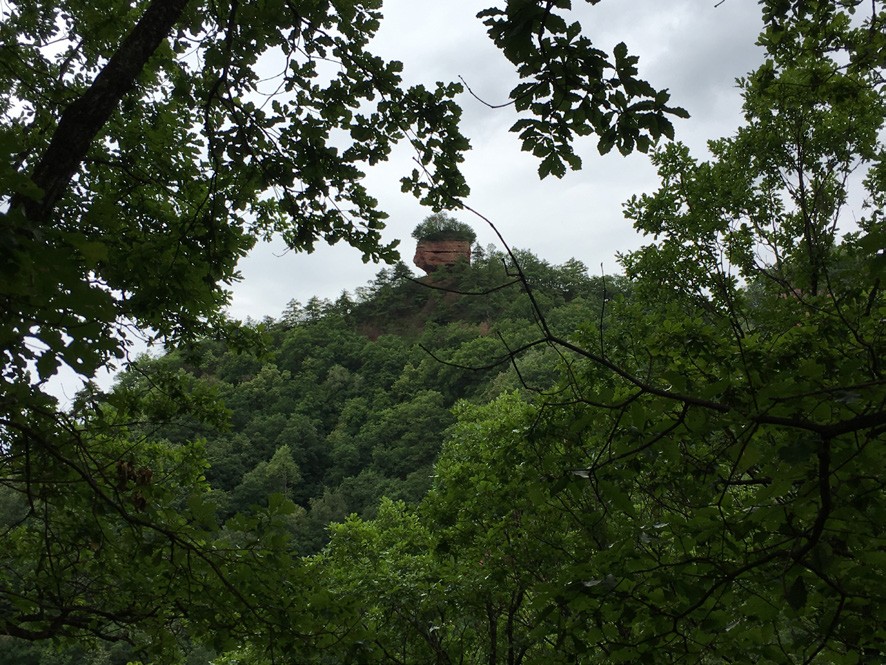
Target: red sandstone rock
(431, 254)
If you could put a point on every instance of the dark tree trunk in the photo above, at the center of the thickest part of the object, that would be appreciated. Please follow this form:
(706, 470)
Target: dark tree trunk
(84, 118)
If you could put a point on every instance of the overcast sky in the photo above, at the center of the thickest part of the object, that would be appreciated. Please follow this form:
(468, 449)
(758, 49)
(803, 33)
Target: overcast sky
(694, 48)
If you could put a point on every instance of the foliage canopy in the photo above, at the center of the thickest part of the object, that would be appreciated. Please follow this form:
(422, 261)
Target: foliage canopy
(441, 226)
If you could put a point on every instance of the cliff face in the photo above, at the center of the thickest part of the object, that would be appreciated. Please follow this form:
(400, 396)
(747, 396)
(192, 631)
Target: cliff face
(431, 254)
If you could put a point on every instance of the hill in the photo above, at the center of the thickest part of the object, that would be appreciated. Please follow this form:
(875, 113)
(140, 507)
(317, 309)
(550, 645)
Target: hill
(350, 401)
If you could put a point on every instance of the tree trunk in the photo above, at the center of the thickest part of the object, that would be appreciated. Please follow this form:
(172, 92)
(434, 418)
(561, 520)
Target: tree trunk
(84, 118)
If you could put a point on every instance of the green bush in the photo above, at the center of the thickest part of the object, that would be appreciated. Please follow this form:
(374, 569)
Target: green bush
(441, 226)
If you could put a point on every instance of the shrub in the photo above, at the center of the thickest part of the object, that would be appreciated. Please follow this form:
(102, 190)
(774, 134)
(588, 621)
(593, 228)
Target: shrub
(441, 226)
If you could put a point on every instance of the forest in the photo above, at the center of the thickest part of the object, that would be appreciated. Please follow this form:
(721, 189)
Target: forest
(503, 461)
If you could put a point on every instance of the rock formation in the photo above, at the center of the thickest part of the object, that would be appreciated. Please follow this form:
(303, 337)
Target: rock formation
(431, 254)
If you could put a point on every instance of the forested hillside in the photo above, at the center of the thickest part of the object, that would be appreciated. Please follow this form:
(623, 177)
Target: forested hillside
(346, 403)
(350, 400)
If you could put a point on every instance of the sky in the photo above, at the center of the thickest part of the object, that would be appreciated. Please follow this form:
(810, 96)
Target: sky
(695, 48)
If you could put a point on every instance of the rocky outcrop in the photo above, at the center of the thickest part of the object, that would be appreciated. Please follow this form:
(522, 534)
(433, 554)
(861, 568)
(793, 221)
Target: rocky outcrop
(431, 254)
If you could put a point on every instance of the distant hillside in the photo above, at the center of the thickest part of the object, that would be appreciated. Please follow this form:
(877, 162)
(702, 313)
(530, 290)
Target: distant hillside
(349, 400)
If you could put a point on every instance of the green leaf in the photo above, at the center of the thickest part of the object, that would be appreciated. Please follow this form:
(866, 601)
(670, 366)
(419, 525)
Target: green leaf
(796, 594)
(47, 363)
(618, 498)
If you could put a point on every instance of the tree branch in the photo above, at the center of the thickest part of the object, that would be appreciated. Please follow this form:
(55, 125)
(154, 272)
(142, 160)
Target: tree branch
(84, 118)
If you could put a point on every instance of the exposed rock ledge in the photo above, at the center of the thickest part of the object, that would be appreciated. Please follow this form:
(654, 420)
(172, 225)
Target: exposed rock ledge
(431, 254)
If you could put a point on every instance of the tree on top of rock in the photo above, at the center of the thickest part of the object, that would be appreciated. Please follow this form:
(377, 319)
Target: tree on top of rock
(441, 226)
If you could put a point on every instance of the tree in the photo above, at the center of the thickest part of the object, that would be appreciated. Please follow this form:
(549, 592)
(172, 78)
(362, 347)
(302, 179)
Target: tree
(441, 226)
(280, 476)
(393, 590)
(728, 449)
(738, 424)
(709, 471)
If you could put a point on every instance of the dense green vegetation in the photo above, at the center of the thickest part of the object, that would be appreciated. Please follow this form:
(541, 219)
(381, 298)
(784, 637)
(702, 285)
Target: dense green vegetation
(510, 463)
(351, 399)
(441, 226)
